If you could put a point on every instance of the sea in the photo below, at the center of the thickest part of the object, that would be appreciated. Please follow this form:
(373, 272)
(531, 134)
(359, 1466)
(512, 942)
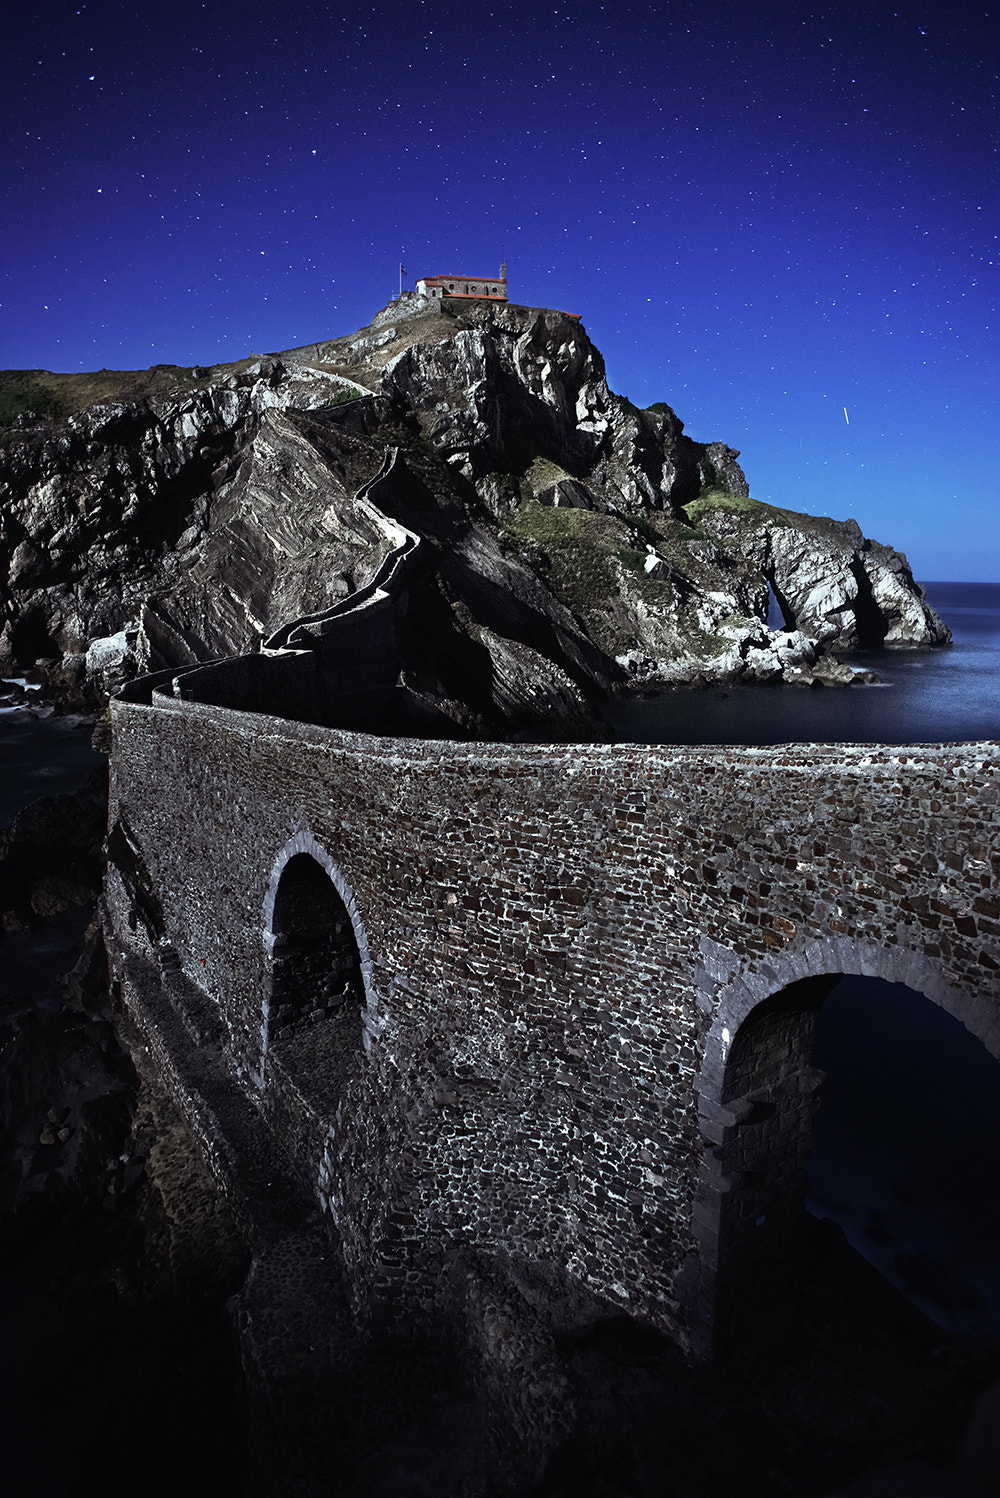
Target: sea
(908, 1129)
(924, 696)
(40, 756)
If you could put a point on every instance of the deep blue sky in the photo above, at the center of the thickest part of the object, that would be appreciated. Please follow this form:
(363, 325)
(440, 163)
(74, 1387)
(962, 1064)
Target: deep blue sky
(764, 212)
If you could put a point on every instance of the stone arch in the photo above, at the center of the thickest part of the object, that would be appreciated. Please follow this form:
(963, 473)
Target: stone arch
(756, 1096)
(316, 956)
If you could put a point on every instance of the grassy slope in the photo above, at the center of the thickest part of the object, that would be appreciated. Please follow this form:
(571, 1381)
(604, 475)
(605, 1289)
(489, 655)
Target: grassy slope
(583, 554)
(763, 514)
(54, 397)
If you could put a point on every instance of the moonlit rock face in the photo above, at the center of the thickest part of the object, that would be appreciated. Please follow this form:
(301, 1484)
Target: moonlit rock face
(571, 544)
(106, 654)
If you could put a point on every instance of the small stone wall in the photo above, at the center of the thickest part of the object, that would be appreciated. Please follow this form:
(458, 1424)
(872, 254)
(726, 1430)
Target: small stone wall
(558, 946)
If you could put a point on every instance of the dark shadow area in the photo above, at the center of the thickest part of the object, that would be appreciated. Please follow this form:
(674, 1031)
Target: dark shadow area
(841, 1379)
(105, 1387)
(317, 988)
(907, 1158)
(41, 757)
(905, 1105)
(871, 624)
(769, 1089)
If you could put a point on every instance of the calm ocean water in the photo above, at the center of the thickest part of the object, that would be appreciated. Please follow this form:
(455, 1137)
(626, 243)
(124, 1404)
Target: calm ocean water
(926, 696)
(40, 757)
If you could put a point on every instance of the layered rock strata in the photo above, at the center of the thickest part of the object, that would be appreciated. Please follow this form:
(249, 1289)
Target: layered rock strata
(570, 545)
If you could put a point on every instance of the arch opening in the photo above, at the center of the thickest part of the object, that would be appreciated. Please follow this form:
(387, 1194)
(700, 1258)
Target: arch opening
(908, 1148)
(314, 1020)
(862, 1102)
(780, 614)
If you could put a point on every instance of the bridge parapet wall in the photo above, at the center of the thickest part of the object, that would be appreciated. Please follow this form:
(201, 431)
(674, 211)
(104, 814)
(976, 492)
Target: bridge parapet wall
(562, 941)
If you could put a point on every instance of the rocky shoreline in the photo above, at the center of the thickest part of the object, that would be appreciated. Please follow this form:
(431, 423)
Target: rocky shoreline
(571, 545)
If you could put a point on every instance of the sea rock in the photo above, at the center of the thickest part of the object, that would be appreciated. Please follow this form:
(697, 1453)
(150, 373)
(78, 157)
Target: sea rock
(780, 656)
(571, 545)
(844, 591)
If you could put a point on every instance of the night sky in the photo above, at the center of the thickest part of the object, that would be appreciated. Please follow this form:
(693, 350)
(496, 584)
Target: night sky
(781, 218)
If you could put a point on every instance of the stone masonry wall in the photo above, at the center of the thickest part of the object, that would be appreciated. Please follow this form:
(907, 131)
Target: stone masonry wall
(559, 945)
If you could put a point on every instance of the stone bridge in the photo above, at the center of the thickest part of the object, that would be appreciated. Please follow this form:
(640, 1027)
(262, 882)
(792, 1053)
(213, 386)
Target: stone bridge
(542, 1008)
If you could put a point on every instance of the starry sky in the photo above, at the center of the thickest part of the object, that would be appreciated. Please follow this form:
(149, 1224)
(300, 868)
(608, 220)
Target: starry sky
(782, 218)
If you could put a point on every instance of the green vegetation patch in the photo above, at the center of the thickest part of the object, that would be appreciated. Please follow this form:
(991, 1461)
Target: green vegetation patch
(558, 527)
(634, 561)
(574, 550)
(579, 554)
(764, 514)
(662, 529)
(540, 475)
(578, 546)
(23, 391)
(718, 499)
(705, 647)
(654, 590)
(55, 397)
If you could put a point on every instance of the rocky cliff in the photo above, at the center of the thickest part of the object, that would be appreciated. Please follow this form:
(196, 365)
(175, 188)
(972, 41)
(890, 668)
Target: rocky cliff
(571, 545)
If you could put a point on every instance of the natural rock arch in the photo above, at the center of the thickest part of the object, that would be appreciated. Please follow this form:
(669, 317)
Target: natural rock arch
(757, 1095)
(317, 963)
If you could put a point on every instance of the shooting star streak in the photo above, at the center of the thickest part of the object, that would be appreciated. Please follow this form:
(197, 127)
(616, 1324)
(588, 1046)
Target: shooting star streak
(846, 417)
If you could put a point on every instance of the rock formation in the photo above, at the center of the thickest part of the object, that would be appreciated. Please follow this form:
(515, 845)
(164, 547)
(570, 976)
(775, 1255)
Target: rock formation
(572, 545)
